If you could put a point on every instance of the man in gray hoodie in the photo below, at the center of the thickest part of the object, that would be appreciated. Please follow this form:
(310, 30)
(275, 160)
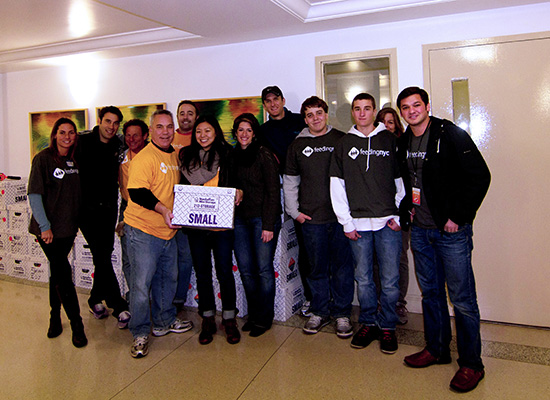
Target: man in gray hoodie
(306, 185)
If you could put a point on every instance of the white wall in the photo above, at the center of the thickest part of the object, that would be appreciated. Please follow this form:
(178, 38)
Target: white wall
(240, 70)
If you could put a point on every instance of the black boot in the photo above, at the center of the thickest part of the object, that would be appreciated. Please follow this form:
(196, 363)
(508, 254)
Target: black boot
(79, 337)
(55, 328)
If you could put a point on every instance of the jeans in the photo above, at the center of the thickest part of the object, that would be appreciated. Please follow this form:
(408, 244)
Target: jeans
(403, 270)
(331, 276)
(185, 266)
(304, 265)
(62, 291)
(154, 277)
(98, 228)
(203, 243)
(255, 262)
(386, 243)
(442, 257)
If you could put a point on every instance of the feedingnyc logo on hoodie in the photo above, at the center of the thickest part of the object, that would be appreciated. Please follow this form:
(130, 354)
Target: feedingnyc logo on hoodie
(354, 153)
(59, 173)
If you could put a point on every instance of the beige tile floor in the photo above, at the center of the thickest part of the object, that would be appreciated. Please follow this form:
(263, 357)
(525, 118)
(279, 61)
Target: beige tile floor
(282, 364)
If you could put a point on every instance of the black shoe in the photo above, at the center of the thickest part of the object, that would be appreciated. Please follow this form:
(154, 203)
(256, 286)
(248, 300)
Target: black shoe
(55, 328)
(248, 326)
(257, 331)
(364, 336)
(231, 330)
(79, 337)
(208, 329)
(388, 341)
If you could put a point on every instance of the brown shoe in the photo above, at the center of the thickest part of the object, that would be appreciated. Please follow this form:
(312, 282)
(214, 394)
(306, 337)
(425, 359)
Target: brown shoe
(208, 329)
(466, 379)
(424, 359)
(231, 330)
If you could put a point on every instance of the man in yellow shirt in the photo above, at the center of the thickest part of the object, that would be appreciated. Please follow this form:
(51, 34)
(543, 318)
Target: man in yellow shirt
(151, 237)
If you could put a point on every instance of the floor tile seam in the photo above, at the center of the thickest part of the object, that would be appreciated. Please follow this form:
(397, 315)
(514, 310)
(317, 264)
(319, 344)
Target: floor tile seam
(266, 362)
(490, 348)
(152, 366)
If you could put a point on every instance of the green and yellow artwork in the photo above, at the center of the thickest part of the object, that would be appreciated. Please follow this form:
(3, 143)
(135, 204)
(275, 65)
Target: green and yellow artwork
(142, 111)
(41, 124)
(226, 110)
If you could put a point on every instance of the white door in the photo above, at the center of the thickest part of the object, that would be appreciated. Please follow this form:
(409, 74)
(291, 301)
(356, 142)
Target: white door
(507, 82)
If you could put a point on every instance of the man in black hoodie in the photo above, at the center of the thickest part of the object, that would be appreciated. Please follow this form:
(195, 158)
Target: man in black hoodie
(446, 179)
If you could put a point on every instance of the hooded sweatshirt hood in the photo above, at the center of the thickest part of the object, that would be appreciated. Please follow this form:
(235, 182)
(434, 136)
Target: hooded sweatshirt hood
(354, 131)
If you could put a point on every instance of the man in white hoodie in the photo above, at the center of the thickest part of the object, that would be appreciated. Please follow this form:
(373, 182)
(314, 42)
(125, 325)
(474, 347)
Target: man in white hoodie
(366, 190)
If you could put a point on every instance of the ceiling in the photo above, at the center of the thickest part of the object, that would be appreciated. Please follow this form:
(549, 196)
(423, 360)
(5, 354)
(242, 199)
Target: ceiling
(36, 33)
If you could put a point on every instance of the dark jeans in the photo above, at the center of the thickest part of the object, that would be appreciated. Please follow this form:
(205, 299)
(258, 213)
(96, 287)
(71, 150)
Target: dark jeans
(98, 227)
(202, 244)
(62, 291)
(442, 257)
(185, 265)
(255, 262)
(331, 277)
(304, 265)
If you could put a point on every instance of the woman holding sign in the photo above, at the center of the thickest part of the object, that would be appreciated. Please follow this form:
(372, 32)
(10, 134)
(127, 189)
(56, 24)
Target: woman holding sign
(205, 162)
(254, 169)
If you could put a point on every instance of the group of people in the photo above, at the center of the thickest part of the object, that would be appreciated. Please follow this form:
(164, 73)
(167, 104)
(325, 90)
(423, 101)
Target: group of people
(353, 197)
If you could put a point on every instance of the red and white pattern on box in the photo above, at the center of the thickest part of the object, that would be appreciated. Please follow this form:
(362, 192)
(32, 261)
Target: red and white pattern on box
(83, 275)
(288, 301)
(4, 243)
(17, 243)
(83, 254)
(3, 220)
(192, 296)
(33, 247)
(13, 192)
(18, 218)
(19, 267)
(39, 269)
(4, 266)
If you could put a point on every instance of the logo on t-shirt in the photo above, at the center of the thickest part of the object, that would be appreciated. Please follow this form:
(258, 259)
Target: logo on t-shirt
(59, 173)
(163, 168)
(307, 151)
(353, 153)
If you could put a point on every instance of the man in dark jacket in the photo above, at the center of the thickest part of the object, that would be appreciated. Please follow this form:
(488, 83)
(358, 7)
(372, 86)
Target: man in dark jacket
(446, 179)
(277, 134)
(98, 155)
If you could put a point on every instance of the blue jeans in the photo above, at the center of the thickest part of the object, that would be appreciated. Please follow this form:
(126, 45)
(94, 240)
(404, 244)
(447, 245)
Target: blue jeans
(442, 257)
(255, 262)
(185, 265)
(203, 243)
(331, 275)
(154, 276)
(386, 244)
(126, 266)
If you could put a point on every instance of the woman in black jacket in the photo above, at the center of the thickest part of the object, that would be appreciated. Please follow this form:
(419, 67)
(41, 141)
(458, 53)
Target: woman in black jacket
(254, 169)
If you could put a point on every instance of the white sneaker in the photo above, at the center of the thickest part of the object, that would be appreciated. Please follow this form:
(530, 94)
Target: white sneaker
(140, 347)
(178, 326)
(315, 323)
(344, 329)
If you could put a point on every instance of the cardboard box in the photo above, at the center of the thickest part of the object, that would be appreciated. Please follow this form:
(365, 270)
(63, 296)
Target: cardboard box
(83, 275)
(39, 269)
(4, 243)
(19, 267)
(18, 219)
(13, 192)
(288, 301)
(3, 220)
(17, 243)
(204, 206)
(4, 266)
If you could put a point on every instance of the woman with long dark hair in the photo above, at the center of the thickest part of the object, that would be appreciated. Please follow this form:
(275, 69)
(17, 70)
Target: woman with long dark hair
(54, 196)
(255, 170)
(205, 162)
